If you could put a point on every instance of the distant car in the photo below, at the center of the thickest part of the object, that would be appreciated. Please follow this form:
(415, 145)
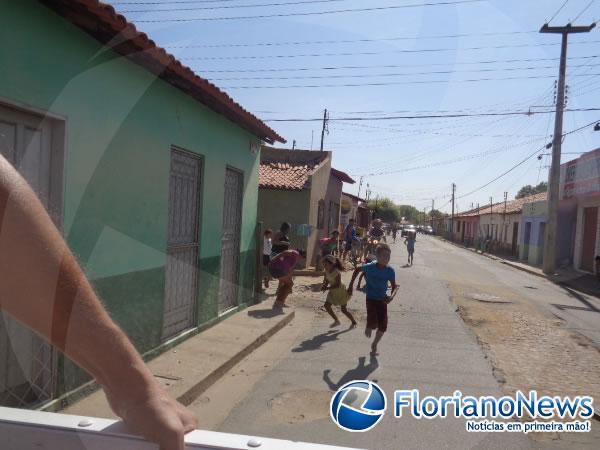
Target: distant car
(428, 229)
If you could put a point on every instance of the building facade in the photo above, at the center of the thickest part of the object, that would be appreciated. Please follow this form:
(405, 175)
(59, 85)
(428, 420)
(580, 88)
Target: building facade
(150, 173)
(580, 190)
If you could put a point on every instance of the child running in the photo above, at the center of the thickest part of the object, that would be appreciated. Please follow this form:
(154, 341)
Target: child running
(337, 295)
(266, 259)
(377, 275)
(410, 240)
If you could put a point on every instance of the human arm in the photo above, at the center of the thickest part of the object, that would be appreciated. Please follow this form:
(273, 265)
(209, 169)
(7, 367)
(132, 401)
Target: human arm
(325, 283)
(62, 307)
(354, 275)
(393, 293)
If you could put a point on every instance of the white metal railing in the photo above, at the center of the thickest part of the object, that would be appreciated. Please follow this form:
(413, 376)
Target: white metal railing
(22, 429)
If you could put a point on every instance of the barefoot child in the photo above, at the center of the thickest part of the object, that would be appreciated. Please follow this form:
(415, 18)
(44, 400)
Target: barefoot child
(337, 295)
(281, 268)
(377, 274)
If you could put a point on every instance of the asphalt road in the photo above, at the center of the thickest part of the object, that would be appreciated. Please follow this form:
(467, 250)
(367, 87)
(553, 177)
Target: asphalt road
(427, 347)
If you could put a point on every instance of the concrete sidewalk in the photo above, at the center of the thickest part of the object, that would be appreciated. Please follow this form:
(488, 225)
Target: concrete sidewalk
(191, 367)
(567, 276)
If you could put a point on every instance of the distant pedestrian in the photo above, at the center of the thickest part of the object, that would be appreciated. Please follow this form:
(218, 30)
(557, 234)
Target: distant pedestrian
(378, 274)
(266, 257)
(394, 233)
(337, 295)
(281, 267)
(329, 244)
(411, 239)
(349, 237)
(281, 240)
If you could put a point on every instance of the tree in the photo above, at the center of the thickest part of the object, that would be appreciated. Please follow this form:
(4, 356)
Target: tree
(435, 214)
(385, 209)
(528, 190)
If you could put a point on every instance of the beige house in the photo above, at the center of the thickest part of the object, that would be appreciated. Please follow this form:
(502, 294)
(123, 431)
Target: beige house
(300, 187)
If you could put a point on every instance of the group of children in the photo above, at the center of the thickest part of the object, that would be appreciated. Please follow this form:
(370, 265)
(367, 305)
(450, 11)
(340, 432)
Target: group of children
(377, 273)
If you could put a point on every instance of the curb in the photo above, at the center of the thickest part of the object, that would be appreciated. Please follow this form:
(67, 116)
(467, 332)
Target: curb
(202, 385)
(525, 269)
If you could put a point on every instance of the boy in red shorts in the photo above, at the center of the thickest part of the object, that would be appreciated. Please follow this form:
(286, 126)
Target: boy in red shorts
(377, 275)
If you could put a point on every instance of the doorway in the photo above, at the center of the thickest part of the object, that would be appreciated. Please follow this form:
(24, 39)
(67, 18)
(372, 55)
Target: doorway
(34, 145)
(230, 241)
(590, 228)
(181, 270)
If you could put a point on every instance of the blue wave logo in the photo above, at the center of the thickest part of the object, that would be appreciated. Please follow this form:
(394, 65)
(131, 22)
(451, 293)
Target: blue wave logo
(358, 406)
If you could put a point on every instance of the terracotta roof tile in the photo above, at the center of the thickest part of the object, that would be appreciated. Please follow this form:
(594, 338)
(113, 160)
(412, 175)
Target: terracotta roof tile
(286, 169)
(342, 176)
(512, 206)
(113, 30)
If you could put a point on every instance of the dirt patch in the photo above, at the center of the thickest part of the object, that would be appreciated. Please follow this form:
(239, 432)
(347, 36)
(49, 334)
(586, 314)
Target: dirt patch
(530, 349)
(300, 406)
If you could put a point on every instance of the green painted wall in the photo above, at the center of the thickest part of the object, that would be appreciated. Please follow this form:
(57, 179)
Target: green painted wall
(120, 124)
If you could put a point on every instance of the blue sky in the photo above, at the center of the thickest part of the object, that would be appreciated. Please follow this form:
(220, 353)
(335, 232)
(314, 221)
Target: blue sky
(411, 161)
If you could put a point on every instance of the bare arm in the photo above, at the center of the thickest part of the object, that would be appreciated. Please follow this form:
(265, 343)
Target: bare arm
(325, 283)
(61, 305)
(354, 275)
(393, 293)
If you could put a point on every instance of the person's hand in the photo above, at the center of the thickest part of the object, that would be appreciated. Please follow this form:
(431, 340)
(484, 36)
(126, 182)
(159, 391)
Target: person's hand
(155, 415)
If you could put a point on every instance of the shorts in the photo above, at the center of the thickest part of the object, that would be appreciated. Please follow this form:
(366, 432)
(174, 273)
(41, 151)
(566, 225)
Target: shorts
(377, 317)
(348, 246)
(266, 260)
(276, 272)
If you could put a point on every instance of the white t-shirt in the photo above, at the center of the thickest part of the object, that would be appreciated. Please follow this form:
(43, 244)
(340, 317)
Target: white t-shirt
(267, 246)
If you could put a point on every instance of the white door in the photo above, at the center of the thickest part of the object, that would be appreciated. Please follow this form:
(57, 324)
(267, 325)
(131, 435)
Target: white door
(26, 360)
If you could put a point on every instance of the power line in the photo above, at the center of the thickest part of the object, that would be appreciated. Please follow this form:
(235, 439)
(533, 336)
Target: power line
(558, 11)
(312, 13)
(523, 161)
(583, 10)
(397, 83)
(176, 2)
(434, 116)
(212, 8)
(350, 41)
(387, 66)
(424, 50)
(396, 74)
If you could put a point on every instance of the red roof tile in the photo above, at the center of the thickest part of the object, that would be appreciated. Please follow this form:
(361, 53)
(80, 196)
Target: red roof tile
(342, 176)
(286, 169)
(512, 206)
(104, 24)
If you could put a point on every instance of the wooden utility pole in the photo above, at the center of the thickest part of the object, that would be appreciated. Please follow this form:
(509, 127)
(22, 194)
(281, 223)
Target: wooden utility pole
(324, 129)
(294, 144)
(359, 186)
(554, 176)
(432, 209)
(452, 220)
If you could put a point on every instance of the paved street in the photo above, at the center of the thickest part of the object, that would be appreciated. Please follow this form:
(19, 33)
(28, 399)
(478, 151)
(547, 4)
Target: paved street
(428, 346)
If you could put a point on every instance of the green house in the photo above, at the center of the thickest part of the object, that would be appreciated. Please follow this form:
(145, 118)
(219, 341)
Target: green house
(149, 171)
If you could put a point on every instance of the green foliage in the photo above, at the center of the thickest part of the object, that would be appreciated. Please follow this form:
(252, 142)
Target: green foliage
(528, 190)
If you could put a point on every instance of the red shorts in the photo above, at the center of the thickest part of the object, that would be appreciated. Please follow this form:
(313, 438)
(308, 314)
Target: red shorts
(377, 317)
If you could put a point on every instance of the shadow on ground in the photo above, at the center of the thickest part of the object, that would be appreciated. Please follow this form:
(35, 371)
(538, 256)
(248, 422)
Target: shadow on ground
(360, 372)
(316, 342)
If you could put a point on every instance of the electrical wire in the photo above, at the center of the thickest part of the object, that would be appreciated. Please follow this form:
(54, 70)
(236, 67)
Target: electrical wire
(312, 13)
(388, 66)
(424, 50)
(433, 116)
(394, 74)
(212, 8)
(558, 11)
(583, 10)
(349, 41)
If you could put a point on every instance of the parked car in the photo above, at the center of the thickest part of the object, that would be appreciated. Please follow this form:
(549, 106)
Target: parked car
(428, 229)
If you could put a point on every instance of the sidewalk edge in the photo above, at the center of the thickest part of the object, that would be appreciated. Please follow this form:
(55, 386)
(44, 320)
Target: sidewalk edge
(202, 385)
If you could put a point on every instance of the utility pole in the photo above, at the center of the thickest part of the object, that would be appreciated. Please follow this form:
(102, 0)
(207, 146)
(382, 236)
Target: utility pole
(359, 186)
(554, 176)
(452, 219)
(432, 209)
(325, 128)
(294, 144)
(312, 137)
